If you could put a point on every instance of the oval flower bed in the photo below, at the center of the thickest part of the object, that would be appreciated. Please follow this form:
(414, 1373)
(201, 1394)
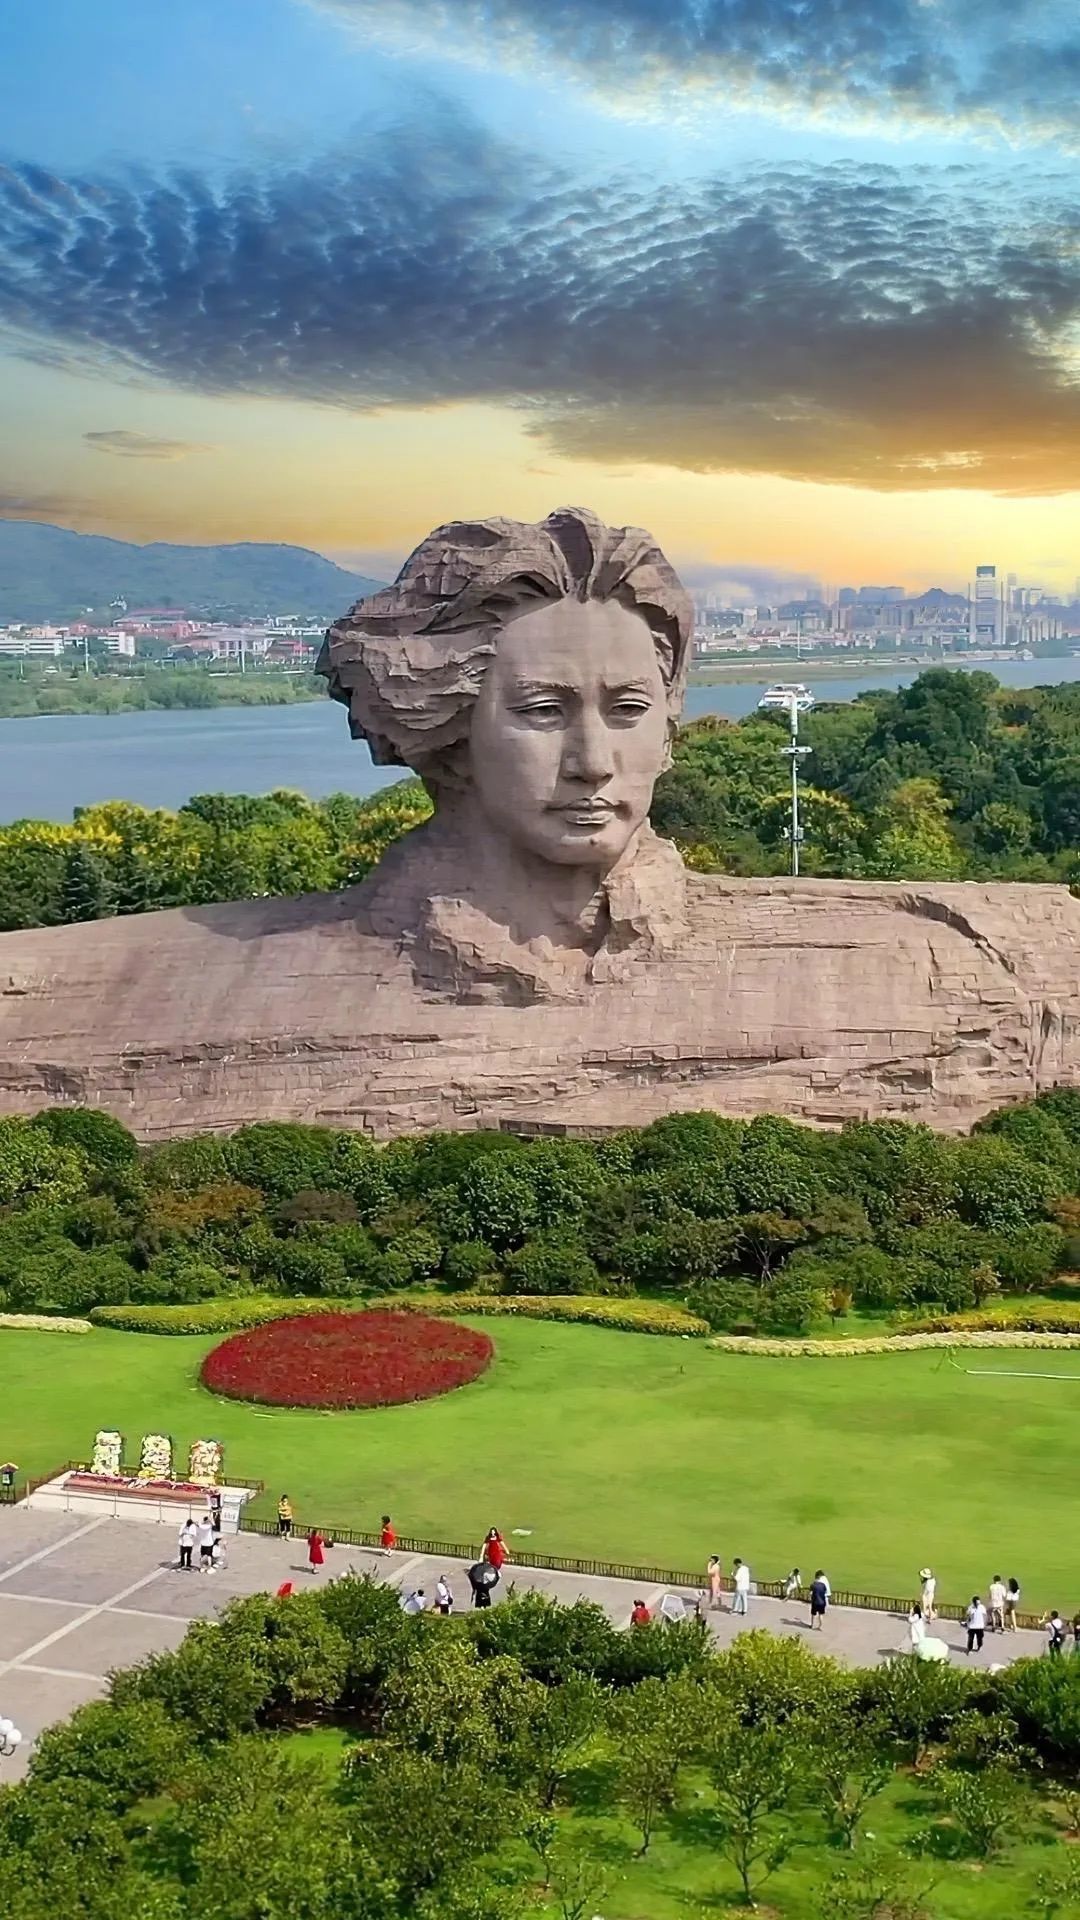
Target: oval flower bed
(377, 1359)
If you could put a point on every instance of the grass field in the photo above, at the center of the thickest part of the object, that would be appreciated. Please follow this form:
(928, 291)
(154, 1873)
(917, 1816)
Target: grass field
(625, 1446)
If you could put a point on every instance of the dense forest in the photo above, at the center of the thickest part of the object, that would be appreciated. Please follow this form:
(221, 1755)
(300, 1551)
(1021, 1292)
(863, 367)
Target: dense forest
(753, 1226)
(952, 777)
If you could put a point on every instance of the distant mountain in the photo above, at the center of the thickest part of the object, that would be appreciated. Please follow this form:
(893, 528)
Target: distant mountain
(50, 573)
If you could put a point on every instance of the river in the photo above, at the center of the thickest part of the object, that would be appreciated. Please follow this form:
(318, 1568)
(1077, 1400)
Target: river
(55, 763)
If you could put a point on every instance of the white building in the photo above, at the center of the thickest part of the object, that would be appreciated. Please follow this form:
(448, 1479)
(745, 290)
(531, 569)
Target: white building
(28, 643)
(987, 617)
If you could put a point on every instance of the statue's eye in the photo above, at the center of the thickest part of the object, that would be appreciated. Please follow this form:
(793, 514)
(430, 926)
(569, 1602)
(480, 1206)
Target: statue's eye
(540, 710)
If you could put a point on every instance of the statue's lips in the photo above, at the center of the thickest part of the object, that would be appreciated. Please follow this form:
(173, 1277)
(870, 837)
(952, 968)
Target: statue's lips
(587, 813)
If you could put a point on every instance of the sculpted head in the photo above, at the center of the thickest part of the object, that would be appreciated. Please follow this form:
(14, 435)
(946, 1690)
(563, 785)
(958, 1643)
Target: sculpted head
(536, 671)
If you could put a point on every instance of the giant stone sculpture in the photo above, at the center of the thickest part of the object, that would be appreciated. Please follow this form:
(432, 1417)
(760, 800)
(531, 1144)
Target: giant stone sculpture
(534, 956)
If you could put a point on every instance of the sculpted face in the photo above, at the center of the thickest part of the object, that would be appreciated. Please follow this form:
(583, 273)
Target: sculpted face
(569, 732)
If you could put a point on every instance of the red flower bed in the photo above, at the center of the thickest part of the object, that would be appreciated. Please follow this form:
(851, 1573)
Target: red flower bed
(346, 1360)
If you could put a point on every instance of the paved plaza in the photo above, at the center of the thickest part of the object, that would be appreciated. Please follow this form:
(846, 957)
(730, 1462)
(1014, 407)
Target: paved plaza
(80, 1596)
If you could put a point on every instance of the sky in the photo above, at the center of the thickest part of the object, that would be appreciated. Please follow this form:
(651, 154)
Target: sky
(795, 284)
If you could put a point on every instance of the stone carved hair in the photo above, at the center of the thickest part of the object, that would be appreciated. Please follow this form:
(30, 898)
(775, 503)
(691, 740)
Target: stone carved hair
(408, 662)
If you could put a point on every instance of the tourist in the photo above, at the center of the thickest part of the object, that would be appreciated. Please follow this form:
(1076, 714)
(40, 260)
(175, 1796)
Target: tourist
(1012, 1603)
(792, 1584)
(387, 1538)
(1076, 1633)
(189, 1534)
(820, 1595)
(214, 1498)
(482, 1578)
(997, 1604)
(315, 1545)
(716, 1577)
(673, 1609)
(415, 1602)
(284, 1592)
(639, 1614)
(741, 1597)
(976, 1624)
(444, 1597)
(1055, 1632)
(929, 1593)
(217, 1553)
(205, 1536)
(285, 1517)
(496, 1551)
(916, 1625)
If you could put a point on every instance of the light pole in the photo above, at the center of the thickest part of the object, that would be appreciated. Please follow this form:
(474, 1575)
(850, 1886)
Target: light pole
(795, 753)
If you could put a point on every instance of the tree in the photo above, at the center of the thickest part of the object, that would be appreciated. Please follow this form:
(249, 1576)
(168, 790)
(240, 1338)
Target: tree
(657, 1726)
(757, 1773)
(985, 1805)
(876, 1888)
(851, 1765)
(130, 1752)
(918, 1700)
(559, 1722)
(910, 838)
(85, 890)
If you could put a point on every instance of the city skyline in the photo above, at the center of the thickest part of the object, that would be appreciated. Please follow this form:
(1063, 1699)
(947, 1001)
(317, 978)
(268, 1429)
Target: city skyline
(800, 291)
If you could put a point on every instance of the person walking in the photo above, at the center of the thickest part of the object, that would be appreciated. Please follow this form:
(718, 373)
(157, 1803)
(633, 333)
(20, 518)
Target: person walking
(976, 1624)
(444, 1597)
(792, 1584)
(929, 1593)
(715, 1573)
(482, 1578)
(1012, 1603)
(205, 1536)
(1055, 1632)
(820, 1595)
(285, 1517)
(639, 1614)
(996, 1599)
(495, 1552)
(315, 1545)
(189, 1534)
(916, 1625)
(741, 1598)
(388, 1537)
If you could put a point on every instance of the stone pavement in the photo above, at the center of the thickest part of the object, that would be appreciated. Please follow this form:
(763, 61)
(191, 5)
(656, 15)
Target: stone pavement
(81, 1596)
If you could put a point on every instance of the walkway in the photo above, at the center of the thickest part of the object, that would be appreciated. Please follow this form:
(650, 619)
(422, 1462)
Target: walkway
(81, 1596)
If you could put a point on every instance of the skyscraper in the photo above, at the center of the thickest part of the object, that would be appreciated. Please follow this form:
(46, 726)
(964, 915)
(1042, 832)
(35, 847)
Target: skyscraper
(987, 624)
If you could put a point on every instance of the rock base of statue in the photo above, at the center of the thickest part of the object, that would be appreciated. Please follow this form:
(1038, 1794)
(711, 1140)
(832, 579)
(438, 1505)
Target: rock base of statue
(823, 1000)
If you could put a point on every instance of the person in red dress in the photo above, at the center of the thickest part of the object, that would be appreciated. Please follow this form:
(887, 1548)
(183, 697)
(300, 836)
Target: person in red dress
(496, 1552)
(315, 1544)
(388, 1537)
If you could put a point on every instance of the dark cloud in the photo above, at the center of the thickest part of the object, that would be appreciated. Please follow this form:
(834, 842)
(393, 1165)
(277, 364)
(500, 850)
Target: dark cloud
(863, 324)
(1008, 65)
(131, 445)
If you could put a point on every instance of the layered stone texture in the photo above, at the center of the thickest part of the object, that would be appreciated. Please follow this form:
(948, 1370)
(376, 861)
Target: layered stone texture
(823, 1000)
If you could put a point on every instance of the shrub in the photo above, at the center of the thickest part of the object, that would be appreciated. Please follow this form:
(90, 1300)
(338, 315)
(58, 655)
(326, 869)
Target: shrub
(728, 1306)
(553, 1263)
(34, 1170)
(97, 1136)
(468, 1262)
(1043, 1697)
(307, 1266)
(1006, 1316)
(373, 1359)
(791, 1303)
(131, 1751)
(633, 1316)
(43, 1323)
(310, 1207)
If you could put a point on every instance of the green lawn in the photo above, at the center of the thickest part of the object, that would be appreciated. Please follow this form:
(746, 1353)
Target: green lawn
(628, 1446)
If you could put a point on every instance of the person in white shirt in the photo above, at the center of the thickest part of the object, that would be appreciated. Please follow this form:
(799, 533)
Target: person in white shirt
(1055, 1632)
(189, 1533)
(444, 1598)
(741, 1597)
(997, 1604)
(929, 1590)
(976, 1624)
(413, 1602)
(206, 1545)
(916, 1626)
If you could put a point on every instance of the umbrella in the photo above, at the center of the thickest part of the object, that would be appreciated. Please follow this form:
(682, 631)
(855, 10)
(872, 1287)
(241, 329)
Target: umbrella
(483, 1574)
(931, 1649)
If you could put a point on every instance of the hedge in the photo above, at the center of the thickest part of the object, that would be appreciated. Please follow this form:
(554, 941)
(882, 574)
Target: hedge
(226, 1316)
(1038, 1316)
(45, 1322)
(216, 1316)
(594, 1310)
(889, 1343)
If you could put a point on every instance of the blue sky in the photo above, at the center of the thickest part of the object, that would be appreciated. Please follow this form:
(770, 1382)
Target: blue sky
(797, 285)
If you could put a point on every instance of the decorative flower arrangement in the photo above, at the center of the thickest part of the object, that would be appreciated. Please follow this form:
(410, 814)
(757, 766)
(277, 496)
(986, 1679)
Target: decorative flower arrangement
(204, 1463)
(375, 1359)
(155, 1460)
(108, 1451)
